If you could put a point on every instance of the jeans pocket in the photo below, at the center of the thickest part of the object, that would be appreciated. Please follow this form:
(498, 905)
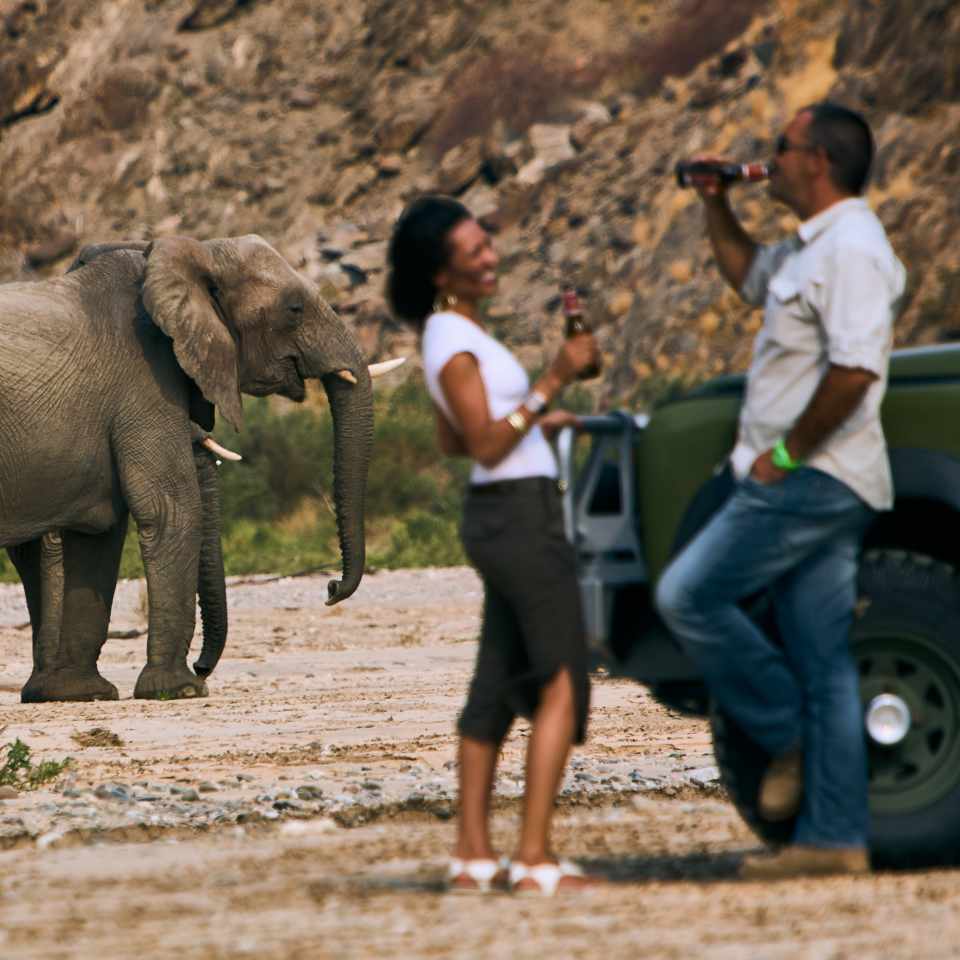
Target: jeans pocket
(482, 521)
(763, 491)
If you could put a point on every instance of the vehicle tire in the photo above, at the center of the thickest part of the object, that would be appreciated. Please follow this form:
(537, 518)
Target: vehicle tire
(906, 640)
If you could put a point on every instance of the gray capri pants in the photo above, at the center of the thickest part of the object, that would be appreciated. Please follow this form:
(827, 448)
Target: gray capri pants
(512, 532)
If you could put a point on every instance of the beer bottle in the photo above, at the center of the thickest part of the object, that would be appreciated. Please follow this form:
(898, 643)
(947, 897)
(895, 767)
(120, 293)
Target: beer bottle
(575, 324)
(696, 173)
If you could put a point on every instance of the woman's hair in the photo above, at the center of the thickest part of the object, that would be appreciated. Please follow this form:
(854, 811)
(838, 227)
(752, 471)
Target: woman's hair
(418, 251)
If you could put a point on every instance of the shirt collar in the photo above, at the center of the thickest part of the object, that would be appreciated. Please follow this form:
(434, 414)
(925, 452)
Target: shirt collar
(810, 229)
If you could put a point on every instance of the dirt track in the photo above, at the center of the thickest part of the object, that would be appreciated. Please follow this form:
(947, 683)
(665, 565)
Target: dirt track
(302, 811)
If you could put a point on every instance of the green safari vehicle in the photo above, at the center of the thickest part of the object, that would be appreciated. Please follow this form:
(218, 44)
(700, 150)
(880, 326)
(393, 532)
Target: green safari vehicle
(649, 483)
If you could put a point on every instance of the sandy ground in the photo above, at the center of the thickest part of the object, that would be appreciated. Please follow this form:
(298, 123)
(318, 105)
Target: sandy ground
(303, 809)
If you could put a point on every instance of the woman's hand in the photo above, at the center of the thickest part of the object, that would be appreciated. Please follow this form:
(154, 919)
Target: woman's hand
(577, 354)
(553, 422)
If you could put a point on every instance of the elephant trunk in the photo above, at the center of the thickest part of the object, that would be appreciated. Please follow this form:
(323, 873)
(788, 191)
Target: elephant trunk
(211, 585)
(352, 408)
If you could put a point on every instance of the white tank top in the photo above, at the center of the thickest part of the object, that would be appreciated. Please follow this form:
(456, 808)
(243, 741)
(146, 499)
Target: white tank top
(446, 334)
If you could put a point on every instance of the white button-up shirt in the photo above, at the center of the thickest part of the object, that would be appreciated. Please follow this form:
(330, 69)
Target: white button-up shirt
(830, 294)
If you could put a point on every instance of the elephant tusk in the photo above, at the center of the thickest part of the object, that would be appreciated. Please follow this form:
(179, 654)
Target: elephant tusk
(385, 366)
(346, 375)
(223, 452)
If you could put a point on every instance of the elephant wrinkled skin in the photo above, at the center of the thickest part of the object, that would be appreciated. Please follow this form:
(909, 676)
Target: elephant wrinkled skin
(101, 373)
(40, 566)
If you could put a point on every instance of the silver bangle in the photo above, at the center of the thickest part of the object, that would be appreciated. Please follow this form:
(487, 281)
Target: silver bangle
(535, 402)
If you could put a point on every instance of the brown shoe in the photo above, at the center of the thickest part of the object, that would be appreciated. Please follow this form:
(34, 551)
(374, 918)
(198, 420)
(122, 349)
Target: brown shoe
(781, 787)
(800, 861)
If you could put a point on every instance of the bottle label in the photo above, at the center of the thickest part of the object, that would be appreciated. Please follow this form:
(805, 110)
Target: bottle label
(571, 304)
(695, 173)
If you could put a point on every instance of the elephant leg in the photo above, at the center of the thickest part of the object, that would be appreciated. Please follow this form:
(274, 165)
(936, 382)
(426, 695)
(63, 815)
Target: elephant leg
(90, 565)
(170, 533)
(40, 566)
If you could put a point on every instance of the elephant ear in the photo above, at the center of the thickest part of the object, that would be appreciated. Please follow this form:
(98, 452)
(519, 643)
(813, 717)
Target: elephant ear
(180, 293)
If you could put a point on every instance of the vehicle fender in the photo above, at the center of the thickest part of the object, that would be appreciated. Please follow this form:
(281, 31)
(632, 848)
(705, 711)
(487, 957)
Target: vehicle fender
(925, 474)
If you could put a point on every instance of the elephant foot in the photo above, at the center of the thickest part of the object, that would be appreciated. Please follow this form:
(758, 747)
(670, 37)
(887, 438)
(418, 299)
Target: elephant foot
(67, 683)
(168, 683)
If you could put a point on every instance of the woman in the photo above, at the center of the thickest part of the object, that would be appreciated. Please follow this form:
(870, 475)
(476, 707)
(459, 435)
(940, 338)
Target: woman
(532, 658)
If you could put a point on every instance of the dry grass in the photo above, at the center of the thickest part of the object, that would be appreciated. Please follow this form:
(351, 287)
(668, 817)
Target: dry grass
(97, 737)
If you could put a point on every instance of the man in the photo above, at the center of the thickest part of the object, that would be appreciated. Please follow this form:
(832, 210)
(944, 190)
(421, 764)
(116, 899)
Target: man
(812, 469)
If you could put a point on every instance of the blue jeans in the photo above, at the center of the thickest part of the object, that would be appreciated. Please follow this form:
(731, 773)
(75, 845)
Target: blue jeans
(800, 538)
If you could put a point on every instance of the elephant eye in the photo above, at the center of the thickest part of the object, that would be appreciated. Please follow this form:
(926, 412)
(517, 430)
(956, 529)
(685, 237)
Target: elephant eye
(295, 313)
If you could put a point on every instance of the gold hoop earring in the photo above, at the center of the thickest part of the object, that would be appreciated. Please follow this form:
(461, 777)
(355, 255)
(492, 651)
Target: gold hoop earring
(444, 301)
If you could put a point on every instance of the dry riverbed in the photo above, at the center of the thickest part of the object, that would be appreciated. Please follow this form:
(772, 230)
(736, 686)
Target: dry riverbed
(303, 809)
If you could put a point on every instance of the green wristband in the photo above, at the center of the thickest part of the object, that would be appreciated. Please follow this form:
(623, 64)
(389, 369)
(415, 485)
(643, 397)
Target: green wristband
(781, 457)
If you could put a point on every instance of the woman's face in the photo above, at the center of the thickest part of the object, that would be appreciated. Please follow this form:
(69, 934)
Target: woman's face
(470, 273)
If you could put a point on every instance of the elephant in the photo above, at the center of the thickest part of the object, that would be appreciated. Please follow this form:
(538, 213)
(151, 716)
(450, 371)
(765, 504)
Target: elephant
(40, 566)
(103, 374)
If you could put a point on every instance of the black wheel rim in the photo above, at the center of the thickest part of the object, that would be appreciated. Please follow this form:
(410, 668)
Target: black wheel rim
(925, 765)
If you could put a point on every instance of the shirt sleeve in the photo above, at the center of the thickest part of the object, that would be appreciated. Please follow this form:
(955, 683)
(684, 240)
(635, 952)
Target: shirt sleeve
(858, 304)
(766, 262)
(444, 343)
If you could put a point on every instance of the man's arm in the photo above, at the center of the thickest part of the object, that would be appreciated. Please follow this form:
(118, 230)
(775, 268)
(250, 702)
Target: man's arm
(732, 245)
(840, 393)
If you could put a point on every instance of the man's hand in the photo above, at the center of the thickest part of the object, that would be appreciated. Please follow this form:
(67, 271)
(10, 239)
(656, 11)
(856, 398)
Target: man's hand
(764, 471)
(553, 422)
(710, 188)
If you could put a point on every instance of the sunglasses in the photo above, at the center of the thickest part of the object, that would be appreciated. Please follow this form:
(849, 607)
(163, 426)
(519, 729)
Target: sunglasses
(783, 145)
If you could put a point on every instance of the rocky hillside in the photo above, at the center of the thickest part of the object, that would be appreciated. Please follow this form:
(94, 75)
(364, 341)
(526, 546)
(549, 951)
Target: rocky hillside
(557, 121)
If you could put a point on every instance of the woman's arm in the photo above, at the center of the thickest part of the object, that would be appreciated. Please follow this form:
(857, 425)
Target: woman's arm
(449, 441)
(484, 440)
(488, 441)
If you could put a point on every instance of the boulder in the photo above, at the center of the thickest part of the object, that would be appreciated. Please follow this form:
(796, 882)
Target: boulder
(460, 166)
(211, 13)
(593, 117)
(56, 246)
(551, 143)
(23, 86)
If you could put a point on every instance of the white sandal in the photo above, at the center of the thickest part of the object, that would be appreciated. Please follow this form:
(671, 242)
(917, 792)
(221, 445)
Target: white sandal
(546, 876)
(482, 873)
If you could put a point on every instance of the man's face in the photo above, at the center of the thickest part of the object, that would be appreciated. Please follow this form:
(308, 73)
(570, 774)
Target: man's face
(795, 163)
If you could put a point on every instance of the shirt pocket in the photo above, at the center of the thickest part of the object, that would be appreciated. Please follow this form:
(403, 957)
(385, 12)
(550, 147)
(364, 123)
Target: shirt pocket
(790, 322)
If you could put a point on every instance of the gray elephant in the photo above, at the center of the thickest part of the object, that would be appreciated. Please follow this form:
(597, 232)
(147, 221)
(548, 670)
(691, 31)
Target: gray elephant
(101, 373)
(40, 566)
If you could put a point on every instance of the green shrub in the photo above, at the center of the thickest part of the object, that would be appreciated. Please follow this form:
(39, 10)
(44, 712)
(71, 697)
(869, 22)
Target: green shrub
(21, 772)
(423, 539)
